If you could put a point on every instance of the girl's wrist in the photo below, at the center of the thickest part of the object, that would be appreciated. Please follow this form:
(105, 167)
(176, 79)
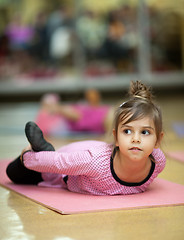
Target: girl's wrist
(22, 156)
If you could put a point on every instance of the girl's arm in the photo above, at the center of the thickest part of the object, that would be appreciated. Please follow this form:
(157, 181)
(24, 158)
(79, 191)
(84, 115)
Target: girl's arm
(69, 163)
(26, 149)
(160, 159)
(67, 111)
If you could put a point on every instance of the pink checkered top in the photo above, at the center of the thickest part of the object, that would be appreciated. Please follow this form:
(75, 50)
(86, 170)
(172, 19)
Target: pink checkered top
(89, 167)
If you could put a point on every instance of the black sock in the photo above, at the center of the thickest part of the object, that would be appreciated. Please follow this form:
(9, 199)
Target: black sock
(36, 139)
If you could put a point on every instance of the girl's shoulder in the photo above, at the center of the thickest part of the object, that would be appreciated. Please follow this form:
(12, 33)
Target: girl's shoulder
(85, 145)
(160, 159)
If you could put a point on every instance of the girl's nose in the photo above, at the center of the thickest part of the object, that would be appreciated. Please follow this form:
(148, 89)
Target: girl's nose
(136, 138)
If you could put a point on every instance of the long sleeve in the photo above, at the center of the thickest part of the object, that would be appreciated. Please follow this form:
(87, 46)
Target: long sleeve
(70, 163)
(159, 159)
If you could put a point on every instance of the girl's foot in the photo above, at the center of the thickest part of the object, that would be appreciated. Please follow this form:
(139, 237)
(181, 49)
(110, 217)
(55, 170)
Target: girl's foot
(36, 139)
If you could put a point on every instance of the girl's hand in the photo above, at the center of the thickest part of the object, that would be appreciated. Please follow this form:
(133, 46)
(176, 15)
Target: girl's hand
(28, 148)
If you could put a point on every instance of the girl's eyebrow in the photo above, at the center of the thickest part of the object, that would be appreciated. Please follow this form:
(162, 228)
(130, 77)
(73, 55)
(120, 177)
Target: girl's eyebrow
(128, 126)
(148, 127)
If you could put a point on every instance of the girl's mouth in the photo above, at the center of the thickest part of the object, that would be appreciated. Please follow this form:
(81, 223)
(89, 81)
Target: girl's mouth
(135, 149)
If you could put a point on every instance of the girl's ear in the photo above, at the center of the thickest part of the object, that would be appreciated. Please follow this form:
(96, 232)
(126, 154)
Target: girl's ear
(115, 137)
(157, 145)
(114, 133)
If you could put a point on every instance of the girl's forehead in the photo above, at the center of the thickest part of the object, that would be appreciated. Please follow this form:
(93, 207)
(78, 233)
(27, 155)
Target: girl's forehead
(144, 121)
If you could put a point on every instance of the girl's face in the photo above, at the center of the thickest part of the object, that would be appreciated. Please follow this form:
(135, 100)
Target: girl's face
(137, 139)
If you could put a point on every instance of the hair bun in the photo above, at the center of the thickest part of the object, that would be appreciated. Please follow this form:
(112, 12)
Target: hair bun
(139, 90)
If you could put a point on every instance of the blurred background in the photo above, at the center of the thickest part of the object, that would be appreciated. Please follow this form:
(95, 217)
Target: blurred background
(66, 47)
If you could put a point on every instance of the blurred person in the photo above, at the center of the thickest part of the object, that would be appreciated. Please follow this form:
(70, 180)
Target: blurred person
(4, 56)
(121, 40)
(91, 31)
(112, 47)
(4, 47)
(60, 16)
(40, 45)
(127, 166)
(130, 36)
(20, 36)
(88, 117)
(60, 26)
(165, 37)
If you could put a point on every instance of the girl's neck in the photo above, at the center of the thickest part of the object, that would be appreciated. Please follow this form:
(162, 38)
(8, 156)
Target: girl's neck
(130, 171)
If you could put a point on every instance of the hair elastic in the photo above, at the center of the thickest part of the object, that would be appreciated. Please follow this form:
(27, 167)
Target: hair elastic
(137, 96)
(134, 96)
(121, 105)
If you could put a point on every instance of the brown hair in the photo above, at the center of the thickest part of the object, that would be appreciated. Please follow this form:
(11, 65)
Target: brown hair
(139, 105)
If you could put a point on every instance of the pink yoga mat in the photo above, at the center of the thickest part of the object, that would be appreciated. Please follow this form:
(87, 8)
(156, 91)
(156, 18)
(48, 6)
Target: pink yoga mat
(160, 193)
(177, 155)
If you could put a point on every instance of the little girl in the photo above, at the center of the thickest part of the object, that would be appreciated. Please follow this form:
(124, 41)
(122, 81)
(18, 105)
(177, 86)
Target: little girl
(95, 167)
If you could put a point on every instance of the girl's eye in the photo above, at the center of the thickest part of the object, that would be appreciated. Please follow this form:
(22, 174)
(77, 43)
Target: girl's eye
(145, 132)
(127, 131)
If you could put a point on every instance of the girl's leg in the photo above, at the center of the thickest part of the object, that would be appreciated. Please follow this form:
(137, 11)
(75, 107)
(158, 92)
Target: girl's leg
(36, 138)
(16, 171)
(19, 174)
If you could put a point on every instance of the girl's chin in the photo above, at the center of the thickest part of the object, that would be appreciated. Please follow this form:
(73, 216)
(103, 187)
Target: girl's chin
(137, 157)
